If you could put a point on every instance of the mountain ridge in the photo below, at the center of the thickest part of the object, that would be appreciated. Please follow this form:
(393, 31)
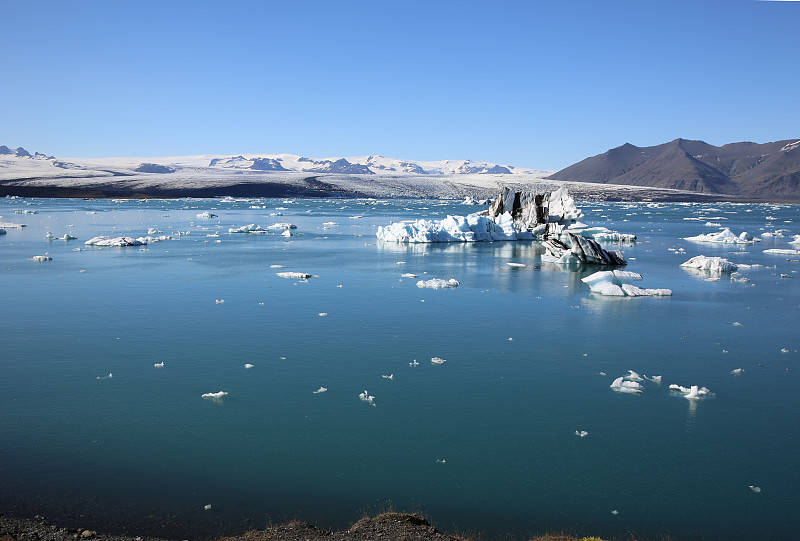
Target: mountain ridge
(743, 169)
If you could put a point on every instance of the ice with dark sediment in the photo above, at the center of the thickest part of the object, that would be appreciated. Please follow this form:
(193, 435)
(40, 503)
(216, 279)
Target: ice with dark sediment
(577, 250)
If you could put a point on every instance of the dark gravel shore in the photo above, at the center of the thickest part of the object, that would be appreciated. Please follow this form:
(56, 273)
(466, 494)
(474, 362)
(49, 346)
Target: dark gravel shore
(385, 527)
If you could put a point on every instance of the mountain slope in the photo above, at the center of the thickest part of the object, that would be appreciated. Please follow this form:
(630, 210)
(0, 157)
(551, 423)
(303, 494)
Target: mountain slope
(752, 170)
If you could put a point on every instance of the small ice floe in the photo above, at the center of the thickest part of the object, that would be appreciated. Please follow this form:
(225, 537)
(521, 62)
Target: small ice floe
(413, 363)
(9, 225)
(320, 390)
(215, 396)
(248, 366)
(251, 228)
(207, 507)
(581, 433)
(734, 324)
(277, 266)
(323, 314)
(615, 283)
(40, 258)
(438, 360)
(692, 393)
(66, 236)
(737, 371)
(654, 379)
(329, 224)
(159, 365)
(780, 251)
(410, 275)
(390, 376)
(784, 350)
(717, 265)
(400, 263)
(219, 301)
(438, 283)
(441, 461)
(633, 376)
(282, 226)
(622, 386)
(295, 275)
(615, 512)
(366, 397)
(755, 489)
(510, 338)
(512, 264)
(206, 214)
(109, 376)
(287, 233)
(726, 236)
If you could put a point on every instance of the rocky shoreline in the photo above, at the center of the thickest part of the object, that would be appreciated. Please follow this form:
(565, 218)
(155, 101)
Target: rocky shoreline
(388, 526)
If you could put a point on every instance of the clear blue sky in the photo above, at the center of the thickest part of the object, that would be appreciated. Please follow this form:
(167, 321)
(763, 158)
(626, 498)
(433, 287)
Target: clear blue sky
(529, 83)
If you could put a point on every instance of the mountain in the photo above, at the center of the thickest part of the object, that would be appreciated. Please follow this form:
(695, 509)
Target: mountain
(749, 170)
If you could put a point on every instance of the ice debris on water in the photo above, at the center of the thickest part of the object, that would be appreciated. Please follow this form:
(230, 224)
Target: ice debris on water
(320, 390)
(581, 433)
(207, 507)
(251, 228)
(615, 283)
(737, 371)
(248, 366)
(575, 249)
(438, 360)
(439, 283)
(206, 214)
(40, 258)
(215, 396)
(159, 365)
(413, 363)
(755, 489)
(779, 251)
(109, 376)
(366, 397)
(622, 386)
(694, 392)
(390, 376)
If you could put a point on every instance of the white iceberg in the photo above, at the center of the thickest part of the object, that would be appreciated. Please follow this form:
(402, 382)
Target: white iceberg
(206, 214)
(366, 397)
(694, 392)
(438, 360)
(296, 275)
(614, 284)
(215, 396)
(726, 236)
(251, 228)
(116, 241)
(438, 283)
(282, 226)
(320, 390)
(622, 386)
(716, 265)
(780, 251)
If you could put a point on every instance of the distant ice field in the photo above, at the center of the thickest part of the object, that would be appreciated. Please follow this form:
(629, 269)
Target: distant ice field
(107, 352)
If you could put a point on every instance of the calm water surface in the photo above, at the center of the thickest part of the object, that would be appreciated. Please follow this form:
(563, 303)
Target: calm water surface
(484, 442)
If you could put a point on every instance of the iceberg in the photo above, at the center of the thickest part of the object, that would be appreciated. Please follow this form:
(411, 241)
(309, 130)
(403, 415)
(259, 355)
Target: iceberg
(438, 283)
(215, 396)
(580, 250)
(116, 241)
(207, 214)
(615, 284)
(297, 275)
(692, 393)
(780, 251)
(623, 386)
(251, 228)
(40, 258)
(711, 264)
(726, 236)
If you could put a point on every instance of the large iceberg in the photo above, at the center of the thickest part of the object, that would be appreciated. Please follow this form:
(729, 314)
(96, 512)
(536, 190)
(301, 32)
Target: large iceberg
(710, 264)
(615, 284)
(579, 250)
(512, 216)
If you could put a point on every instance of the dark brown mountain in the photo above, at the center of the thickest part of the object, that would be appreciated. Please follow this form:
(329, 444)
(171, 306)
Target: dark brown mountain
(769, 171)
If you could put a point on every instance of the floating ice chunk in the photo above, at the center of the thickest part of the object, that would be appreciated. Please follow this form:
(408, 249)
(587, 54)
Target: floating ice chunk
(115, 241)
(219, 301)
(622, 386)
(438, 360)
(615, 512)
(512, 264)
(795, 240)
(438, 283)
(320, 390)
(277, 266)
(614, 283)
(40, 258)
(737, 371)
(248, 366)
(581, 433)
(390, 376)
(207, 214)
(215, 396)
(66, 236)
(784, 350)
(734, 324)
(413, 363)
(654, 379)
(710, 264)
(580, 250)
(207, 507)
(366, 397)
(287, 233)
(296, 275)
(251, 228)
(633, 376)
(755, 489)
(159, 365)
(410, 275)
(692, 393)
(726, 236)
(109, 376)
(780, 251)
(9, 225)
(441, 461)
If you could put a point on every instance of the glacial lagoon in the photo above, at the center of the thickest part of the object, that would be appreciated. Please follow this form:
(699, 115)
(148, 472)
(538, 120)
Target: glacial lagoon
(108, 351)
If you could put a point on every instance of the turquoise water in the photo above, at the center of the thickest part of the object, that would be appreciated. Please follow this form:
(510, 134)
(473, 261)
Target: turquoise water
(484, 442)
